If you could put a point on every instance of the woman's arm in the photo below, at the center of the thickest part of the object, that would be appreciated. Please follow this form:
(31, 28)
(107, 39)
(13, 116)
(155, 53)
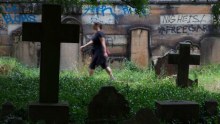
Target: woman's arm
(104, 46)
(87, 44)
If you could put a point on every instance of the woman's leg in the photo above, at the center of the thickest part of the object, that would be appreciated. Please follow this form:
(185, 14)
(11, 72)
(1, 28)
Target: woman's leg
(92, 66)
(109, 71)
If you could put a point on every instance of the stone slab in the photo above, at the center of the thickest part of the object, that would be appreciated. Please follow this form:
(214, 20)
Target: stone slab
(58, 112)
(183, 111)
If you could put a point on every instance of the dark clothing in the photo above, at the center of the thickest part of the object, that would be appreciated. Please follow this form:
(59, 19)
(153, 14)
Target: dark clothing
(98, 58)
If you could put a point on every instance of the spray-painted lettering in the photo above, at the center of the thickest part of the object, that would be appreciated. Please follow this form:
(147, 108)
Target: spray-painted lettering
(19, 8)
(11, 8)
(18, 18)
(106, 13)
(113, 10)
(163, 30)
(186, 19)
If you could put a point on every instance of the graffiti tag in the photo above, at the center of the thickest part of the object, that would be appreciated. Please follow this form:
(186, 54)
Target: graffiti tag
(18, 18)
(107, 14)
(186, 19)
(183, 29)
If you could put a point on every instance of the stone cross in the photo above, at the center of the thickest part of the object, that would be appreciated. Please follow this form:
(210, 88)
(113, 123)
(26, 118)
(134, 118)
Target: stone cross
(183, 60)
(50, 33)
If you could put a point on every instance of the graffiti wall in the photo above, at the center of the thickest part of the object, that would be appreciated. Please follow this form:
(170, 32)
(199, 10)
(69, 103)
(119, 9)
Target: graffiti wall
(107, 14)
(15, 14)
(185, 24)
(166, 27)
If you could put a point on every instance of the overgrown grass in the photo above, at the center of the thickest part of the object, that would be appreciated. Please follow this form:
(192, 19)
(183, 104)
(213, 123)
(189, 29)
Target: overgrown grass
(19, 84)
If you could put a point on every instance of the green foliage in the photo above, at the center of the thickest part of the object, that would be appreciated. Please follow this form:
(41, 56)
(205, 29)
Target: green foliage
(17, 81)
(216, 13)
(139, 5)
(131, 66)
(20, 85)
(65, 2)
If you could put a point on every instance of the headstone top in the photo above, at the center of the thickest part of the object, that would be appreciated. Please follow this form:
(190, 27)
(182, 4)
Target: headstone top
(108, 105)
(176, 102)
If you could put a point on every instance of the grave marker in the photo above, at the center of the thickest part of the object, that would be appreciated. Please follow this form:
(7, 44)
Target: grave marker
(183, 60)
(50, 33)
(183, 111)
(108, 106)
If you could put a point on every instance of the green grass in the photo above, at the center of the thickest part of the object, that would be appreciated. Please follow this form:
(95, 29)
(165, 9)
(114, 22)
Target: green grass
(19, 84)
(209, 77)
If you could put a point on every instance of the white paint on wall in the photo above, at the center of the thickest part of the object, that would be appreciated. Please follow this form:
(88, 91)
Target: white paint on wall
(90, 19)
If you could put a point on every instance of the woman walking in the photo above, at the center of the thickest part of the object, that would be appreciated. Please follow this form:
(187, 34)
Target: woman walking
(99, 51)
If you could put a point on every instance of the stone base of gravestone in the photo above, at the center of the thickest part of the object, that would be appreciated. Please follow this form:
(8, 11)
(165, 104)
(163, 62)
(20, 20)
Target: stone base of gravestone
(183, 111)
(211, 108)
(58, 113)
(108, 106)
(143, 116)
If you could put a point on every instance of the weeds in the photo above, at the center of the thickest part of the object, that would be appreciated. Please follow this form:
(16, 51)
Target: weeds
(20, 84)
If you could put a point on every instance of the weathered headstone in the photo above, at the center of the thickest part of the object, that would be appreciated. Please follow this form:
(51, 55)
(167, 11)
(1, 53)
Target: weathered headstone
(50, 33)
(183, 59)
(183, 111)
(108, 106)
(143, 116)
(163, 68)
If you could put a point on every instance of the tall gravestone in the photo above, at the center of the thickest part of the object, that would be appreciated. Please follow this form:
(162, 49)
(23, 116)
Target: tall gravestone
(183, 59)
(50, 33)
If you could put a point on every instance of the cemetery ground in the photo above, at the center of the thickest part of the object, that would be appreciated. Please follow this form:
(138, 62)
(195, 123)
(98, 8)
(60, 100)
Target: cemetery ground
(141, 87)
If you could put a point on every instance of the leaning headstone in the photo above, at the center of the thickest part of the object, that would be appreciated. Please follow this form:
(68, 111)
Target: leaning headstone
(108, 106)
(183, 111)
(163, 68)
(143, 116)
(183, 60)
(50, 33)
(211, 108)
